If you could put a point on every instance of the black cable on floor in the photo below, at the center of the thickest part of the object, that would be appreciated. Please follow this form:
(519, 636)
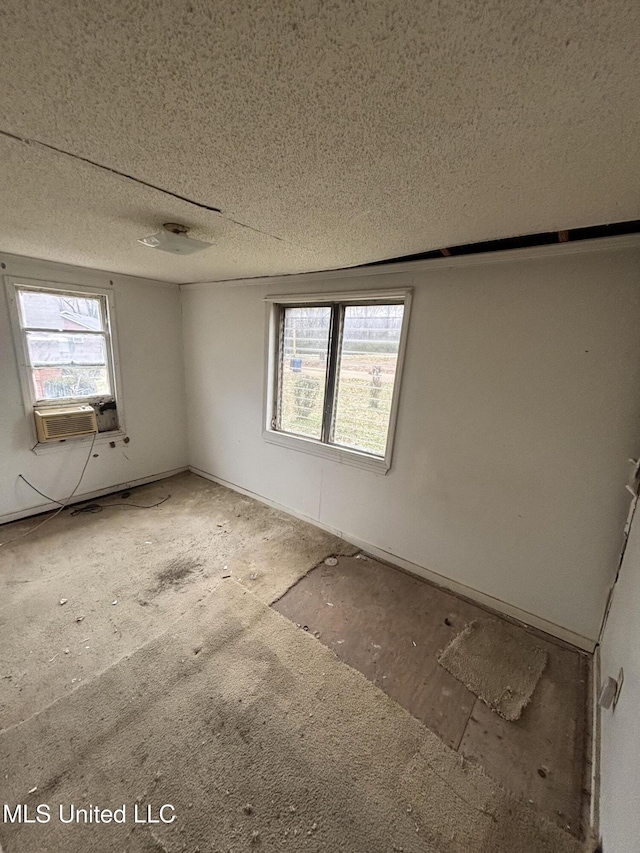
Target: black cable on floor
(96, 507)
(93, 507)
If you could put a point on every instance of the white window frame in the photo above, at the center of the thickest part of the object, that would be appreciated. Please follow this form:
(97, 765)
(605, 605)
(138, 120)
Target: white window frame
(275, 304)
(12, 285)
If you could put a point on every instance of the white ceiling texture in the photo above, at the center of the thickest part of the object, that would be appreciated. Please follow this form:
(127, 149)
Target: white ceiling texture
(328, 133)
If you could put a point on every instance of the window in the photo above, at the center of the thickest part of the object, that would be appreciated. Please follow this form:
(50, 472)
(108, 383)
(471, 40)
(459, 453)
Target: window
(64, 347)
(335, 365)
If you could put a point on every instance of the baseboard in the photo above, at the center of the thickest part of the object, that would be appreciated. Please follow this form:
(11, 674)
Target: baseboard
(475, 595)
(269, 502)
(594, 809)
(116, 487)
(502, 607)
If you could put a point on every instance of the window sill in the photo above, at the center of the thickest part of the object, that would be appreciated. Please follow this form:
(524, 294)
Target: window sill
(41, 449)
(63, 402)
(328, 451)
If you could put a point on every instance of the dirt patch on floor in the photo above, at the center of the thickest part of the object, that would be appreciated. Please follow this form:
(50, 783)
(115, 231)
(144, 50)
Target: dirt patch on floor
(177, 572)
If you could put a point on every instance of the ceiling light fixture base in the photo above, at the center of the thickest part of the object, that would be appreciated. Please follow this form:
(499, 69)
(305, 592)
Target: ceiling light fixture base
(173, 239)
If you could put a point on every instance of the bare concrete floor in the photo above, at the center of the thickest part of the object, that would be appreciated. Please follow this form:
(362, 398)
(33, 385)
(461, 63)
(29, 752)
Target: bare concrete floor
(392, 626)
(126, 573)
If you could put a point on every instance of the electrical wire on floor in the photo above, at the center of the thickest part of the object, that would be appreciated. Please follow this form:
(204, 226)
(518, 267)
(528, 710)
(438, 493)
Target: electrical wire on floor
(63, 504)
(96, 507)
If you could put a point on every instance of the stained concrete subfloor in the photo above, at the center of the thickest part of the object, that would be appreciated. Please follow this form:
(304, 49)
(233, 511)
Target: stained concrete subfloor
(125, 573)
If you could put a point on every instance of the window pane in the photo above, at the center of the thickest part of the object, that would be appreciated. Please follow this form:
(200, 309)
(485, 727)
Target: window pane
(303, 370)
(366, 376)
(60, 311)
(52, 383)
(64, 348)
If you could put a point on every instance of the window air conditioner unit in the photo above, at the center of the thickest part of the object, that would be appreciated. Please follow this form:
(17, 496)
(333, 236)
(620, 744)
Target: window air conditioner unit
(67, 422)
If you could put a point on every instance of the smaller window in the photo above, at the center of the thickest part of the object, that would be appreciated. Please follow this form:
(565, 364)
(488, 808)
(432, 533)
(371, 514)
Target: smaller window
(67, 345)
(65, 350)
(335, 371)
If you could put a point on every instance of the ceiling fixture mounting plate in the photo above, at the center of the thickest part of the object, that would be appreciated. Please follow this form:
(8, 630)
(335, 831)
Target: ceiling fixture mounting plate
(173, 239)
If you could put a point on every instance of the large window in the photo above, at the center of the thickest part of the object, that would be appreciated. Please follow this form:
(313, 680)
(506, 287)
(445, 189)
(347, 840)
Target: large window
(335, 366)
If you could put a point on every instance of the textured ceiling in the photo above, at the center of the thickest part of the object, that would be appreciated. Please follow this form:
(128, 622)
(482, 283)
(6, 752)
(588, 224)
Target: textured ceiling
(329, 133)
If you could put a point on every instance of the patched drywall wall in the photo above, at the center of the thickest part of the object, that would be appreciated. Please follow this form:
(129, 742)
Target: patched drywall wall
(518, 412)
(149, 336)
(620, 728)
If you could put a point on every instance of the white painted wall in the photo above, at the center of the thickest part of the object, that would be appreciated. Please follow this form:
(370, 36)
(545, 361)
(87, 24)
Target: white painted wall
(620, 728)
(148, 323)
(519, 409)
